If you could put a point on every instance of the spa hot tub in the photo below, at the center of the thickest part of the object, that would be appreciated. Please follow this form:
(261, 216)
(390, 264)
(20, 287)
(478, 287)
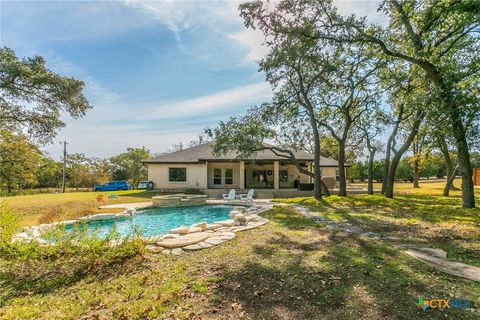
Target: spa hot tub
(179, 200)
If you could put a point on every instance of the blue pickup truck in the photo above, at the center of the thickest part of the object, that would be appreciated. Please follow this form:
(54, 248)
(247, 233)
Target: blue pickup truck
(113, 186)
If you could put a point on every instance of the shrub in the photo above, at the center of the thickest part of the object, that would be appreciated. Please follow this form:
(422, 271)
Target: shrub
(193, 191)
(60, 243)
(9, 223)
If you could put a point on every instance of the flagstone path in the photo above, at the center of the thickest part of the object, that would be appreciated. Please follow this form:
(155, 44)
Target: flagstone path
(436, 258)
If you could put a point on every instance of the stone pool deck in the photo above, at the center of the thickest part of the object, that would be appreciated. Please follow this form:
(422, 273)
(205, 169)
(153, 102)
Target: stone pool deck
(202, 235)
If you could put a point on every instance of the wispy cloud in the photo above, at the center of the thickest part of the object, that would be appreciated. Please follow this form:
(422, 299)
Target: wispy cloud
(226, 102)
(110, 128)
(73, 20)
(211, 21)
(254, 41)
(96, 92)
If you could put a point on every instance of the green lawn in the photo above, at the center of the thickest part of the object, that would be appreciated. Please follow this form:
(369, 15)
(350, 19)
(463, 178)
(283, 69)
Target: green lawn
(418, 217)
(291, 268)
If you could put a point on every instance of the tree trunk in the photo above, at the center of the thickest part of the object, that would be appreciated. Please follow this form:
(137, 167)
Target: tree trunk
(396, 158)
(449, 184)
(317, 179)
(465, 168)
(387, 163)
(370, 171)
(451, 171)
(342, 190)
(463, 154)
(390, 145)
(416, 173)
(459, 134)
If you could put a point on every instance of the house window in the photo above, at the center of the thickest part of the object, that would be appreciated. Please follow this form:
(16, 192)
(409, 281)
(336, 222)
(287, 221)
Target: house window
(177, 174)
(283, 175)
(259, 175)
(217, 176)
(228, 176)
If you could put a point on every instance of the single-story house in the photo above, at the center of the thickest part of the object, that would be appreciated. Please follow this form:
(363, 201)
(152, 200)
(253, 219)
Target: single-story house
(197, 167)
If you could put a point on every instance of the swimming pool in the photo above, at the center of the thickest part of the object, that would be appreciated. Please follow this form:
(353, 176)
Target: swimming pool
(151, 222)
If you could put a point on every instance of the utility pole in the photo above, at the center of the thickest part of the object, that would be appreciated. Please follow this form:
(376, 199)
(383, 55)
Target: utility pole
(64, 164)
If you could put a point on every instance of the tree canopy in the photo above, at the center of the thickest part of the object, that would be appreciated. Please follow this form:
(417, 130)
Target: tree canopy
(33, 98)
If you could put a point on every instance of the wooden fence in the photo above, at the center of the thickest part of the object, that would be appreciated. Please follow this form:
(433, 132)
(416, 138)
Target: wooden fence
(476, 176)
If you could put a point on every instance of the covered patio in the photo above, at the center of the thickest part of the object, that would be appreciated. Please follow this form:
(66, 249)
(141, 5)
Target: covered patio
(257, 175)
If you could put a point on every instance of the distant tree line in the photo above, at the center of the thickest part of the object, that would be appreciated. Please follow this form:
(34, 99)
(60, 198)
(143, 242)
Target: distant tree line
(24, 166)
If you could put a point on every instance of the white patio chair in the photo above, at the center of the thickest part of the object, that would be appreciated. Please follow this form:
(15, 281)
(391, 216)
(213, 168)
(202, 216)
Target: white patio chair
(230, 195)
(248, 196)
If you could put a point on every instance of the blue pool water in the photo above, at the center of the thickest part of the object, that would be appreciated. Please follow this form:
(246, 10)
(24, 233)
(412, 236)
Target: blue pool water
(156, 221)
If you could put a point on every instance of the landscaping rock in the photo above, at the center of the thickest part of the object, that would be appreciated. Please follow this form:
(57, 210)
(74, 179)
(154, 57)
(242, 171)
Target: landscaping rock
(214, 241)
(204, 244)
(439, 253)
(192, 247)
(183, 241)
(180, 230)
(227, 223)
(21, 237)
(450, 267)
(166, 251)
(239, 217)
(100, 216)
(195, 229)
(202, 226)
(233, 213)
(66, 222)
(171, 235)
(213, 226)
(177, 251)
(226, 235)
(154, 248)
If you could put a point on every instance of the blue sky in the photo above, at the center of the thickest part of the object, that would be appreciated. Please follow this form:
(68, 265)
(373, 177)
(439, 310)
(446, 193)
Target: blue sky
(157, 72)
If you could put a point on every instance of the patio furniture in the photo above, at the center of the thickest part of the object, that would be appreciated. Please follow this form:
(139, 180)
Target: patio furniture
(230, 195)
(248, 196)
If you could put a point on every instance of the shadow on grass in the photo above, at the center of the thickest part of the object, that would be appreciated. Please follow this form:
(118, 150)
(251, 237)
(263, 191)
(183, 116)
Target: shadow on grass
(342, 277)
(42, 276)
(421, 207)
(289, 218)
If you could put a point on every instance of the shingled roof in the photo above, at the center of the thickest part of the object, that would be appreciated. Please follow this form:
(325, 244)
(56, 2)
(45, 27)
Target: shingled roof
(204, 152)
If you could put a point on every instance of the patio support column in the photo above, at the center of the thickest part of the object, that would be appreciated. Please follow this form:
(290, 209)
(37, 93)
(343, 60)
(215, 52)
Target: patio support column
(242, 175)
(276, 175)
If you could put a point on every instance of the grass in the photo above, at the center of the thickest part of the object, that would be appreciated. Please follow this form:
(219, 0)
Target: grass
(415, 215)
(291, 268)
(47, 208)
